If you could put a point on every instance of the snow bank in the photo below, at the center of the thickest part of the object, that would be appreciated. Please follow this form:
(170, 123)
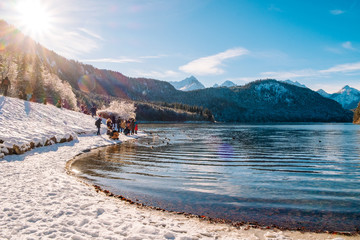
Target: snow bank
(28, 124)
(39, 200)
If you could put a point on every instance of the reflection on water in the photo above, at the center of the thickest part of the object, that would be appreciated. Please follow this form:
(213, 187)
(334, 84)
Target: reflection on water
(287, 175)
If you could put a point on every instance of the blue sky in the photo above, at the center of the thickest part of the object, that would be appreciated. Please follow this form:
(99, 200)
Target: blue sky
(314, 42)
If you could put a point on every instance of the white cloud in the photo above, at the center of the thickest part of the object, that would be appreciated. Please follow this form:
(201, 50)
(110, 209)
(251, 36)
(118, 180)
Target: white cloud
(156, 74)
(348, 45)
(124, 59)
(70, 44)
(92, 34)
(334, 50)
(154, 57)
(337, 12)
(210, 65)
(348, 67)
(274, 8)
(289, 74)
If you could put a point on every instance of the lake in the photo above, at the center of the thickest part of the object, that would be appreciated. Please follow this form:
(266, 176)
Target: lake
(289, 175)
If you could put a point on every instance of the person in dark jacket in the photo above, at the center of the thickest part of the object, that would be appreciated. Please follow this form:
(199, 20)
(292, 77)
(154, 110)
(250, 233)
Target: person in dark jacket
(118, 122)
(98, 125)
(5, 85)
(132, 126)
(93, 111)
(113, 120)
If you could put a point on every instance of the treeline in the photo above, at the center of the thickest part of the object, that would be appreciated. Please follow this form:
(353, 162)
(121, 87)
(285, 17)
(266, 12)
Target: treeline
(357, 114)
(205, 112)
(153, 112)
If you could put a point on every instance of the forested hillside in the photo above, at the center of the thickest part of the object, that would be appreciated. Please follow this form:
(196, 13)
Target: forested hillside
(40, 75)
(266, 101)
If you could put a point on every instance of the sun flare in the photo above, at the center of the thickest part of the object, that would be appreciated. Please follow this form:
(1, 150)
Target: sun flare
(34, 17)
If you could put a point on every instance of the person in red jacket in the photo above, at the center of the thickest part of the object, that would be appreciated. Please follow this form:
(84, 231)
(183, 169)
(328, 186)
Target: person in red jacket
(136, 127)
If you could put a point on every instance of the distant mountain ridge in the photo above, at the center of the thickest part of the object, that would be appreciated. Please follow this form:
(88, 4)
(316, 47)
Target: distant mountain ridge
(188, 84)
(348, 97)
(296, 83)
(227, 83)
(323, 93)
(266, 101)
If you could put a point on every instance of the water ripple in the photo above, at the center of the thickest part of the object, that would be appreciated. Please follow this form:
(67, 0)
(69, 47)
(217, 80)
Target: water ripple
(289, 175)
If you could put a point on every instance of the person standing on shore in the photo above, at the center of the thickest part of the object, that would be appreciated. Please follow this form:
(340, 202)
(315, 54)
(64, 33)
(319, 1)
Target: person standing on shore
(123, 124)
(109, 123)
(118, 123)
(98, 125)
(5, 85)
(113, 121)
(136, 127)
(132, 126)
(93, 111)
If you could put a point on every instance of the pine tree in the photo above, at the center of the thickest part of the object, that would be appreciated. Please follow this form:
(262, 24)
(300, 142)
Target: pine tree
(21, 82)
(38, 82)
(357, 115)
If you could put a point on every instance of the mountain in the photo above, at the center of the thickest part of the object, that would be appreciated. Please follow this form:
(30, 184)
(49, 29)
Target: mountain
(266, 101)
(225, 84)
(228, 84)
(348, 97)
(43, 75)
(188, 84)
(296, 83)
(323, 93)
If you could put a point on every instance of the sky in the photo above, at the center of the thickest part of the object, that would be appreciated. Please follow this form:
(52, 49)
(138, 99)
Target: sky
(316, 43)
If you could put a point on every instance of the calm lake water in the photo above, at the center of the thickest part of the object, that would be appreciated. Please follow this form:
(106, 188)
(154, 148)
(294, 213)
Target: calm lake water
(296, 175)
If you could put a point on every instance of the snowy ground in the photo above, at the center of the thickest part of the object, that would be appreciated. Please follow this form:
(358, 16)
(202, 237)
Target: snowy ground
(39, 200)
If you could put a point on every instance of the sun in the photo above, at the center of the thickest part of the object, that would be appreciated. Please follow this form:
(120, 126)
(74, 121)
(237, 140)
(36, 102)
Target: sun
(34, 17)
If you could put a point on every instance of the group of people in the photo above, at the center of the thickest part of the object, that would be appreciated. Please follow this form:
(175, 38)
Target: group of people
(117, 126)
(85, 110)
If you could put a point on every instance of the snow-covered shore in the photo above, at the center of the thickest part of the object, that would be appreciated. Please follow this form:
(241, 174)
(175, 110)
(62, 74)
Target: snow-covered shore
(39, 200)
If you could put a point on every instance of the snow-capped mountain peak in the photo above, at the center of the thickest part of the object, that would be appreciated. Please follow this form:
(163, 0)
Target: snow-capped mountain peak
(296, 83)
(323, 93)
(348, 97)
(348, 90)
(188, 84)
(227, 83)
